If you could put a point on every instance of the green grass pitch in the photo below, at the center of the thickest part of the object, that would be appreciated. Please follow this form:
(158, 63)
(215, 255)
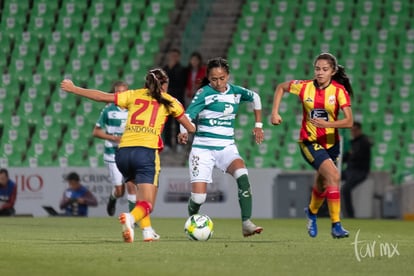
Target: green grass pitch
(93, 246)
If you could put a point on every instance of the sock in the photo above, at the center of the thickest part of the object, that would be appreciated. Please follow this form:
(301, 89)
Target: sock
(145, 222)
(112, 196)
(131, 202)
(131, 205)
(245, 197)
(317, 200)
(142, 209)
(193, 207)
(334, 202)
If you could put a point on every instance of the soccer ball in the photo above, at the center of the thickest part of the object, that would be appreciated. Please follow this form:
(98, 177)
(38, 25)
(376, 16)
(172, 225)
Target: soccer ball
(199, 227)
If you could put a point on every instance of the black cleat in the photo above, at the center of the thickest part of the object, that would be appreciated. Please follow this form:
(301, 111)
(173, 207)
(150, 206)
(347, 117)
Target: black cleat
(110, 208)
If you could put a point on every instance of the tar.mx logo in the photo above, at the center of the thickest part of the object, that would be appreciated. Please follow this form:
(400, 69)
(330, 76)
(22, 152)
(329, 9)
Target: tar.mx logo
(374, 248)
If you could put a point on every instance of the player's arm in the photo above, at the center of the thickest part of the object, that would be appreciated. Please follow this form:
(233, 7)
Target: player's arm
(96, 95)
(89, 199)
(65, 201)
(277, 98)
(258, 126)
(186, 123)
(100, 133)
(346, 122)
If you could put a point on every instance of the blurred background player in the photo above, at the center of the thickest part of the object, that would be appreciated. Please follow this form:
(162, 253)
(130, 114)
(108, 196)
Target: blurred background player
(110, 126)
(196, 72)
(321, 98)
(214, 107)
(176, 87)
(357, 161)
(137, 157)
(8, 194)
(76, 198)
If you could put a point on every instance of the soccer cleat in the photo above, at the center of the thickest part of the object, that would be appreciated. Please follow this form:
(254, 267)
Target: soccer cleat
(338, 232)
(150, 235)
(249, 228)
(127, 222)
(312, 226)
(110, 207)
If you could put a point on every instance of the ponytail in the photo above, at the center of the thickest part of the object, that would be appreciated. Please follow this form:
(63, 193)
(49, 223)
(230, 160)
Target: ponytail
(341, 77)
(204, 82)
(154, 81)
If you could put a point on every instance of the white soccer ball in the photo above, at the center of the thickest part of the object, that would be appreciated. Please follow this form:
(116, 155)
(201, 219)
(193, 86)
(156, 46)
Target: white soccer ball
(199, 227)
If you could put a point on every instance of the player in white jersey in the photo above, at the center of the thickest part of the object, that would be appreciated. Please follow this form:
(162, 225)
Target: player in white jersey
(110, 126)
(214, 110)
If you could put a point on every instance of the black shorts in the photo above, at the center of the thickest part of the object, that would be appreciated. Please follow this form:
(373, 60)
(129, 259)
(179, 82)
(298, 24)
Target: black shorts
(138, 164)
(315, 154)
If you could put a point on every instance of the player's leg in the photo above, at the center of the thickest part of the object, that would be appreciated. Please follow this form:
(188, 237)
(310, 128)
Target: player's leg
(314, 155)
(145, 165)
(197, 198)
(147, 193)
(333, 196)
(131, 194)
(201, 164)
(231, 162)
(118, 187)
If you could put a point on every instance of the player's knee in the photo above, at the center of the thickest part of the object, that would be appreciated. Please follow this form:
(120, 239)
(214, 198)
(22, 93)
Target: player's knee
(239, 172)
(147, 206)
(198, 198)
(119, 191)
(335, 178)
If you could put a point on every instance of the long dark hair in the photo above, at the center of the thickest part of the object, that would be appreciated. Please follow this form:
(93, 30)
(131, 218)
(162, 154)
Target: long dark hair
(217, 62)
(154, 81)
(340, 75)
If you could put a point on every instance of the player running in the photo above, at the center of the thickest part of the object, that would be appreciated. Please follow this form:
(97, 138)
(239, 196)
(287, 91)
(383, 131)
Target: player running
(138, 155)
(109, 127)
(321, 98)
(214, 107)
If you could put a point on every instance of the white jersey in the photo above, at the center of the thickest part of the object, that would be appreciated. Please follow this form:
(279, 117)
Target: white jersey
(214, 113)
(112, 120)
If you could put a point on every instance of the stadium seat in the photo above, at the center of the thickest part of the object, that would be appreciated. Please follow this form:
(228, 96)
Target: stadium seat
(126, 26)
(97, 27)
(13, 160)
(128, 8)
(61, 41)
(54, 51)
(40, 26)
(69, 26)
(12, 25)
(20, 69)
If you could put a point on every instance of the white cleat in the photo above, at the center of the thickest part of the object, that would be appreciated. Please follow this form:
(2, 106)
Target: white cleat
(127, 221)
(249, 228)
(149, 235)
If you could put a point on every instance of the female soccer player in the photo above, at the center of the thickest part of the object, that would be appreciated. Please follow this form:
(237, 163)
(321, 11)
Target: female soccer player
(321, 98)
(138, 155)
(215, 107)
(109, 127)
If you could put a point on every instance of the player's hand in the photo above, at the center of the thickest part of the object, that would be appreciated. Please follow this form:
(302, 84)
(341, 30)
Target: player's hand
(258, 134)
(182, 138)
(317, 122)
(67, 85)
(116, 139)
(276, 119)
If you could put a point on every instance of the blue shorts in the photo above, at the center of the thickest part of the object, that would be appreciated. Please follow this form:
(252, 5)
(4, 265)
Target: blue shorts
(139, 164)
(315, 154)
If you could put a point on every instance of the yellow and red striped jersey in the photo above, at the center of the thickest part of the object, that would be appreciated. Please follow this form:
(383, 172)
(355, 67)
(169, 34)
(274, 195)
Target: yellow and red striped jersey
(319, 103)
(146, 117)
